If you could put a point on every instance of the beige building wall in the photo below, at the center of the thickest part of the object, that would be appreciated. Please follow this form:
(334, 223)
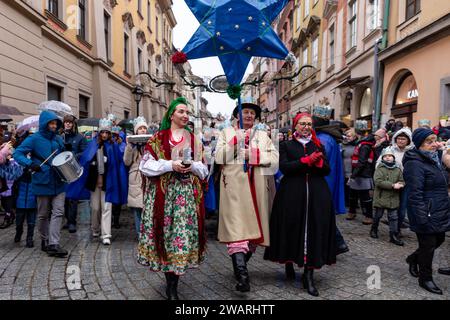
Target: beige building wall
(37, 48)
(429, 69)
(418, 46)
(21, 60)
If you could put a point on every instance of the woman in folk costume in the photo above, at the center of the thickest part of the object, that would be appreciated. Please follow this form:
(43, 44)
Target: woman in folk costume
(105, 177)
(173, 236)
(244, 190)
(132, 159)
(302, 223)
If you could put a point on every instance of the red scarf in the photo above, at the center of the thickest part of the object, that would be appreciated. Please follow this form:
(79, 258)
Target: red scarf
(314, 138)
(159, 148)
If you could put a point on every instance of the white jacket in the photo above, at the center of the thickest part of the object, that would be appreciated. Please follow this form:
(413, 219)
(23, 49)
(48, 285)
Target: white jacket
(397, 152)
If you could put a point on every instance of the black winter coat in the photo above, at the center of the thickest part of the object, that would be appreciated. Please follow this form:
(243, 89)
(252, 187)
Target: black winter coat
(365, 167)
(302, 205)
(428, 201)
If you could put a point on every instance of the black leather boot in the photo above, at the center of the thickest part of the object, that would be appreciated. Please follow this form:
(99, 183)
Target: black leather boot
(374, 231)
(290, 272)
(430, 286)
(242, 277)
(248, 256)
(308, 282)
(44, 245)
(30, 233)
(444, 271)
(395, 240)
(413, 267)
(172, 286)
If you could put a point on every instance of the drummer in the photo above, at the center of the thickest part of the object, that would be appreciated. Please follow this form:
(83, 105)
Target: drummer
(46, 183)
(132, 159)
(76, 143)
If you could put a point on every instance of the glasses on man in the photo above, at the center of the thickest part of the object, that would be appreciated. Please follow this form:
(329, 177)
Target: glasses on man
(305, 124)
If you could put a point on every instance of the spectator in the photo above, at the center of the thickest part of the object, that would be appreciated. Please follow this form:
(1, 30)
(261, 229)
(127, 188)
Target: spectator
(388, 181)
(428, 205)
(361, 182)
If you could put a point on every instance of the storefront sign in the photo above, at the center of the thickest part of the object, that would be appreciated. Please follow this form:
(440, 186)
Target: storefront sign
(413, 94)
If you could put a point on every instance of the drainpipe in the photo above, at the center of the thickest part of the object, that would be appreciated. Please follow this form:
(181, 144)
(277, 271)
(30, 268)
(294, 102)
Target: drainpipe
(386, 16)
(379, 66)
(377, 86)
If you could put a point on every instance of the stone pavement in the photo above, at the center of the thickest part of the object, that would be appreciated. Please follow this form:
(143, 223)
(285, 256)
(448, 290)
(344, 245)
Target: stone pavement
(112, 272)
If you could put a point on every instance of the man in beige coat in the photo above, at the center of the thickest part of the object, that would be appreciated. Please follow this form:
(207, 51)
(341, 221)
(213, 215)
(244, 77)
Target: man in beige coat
(244, 189)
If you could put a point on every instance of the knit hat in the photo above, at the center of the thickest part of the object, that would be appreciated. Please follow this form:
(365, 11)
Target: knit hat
(139, 122)
(69, 118)
(419, 136)
(105, 125)
(387, 151)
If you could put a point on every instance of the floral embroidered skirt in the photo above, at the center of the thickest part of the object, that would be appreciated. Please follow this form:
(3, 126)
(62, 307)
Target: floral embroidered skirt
(181, 234)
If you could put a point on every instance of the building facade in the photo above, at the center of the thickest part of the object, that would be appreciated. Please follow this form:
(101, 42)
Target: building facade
(87, 54)
(416, 67)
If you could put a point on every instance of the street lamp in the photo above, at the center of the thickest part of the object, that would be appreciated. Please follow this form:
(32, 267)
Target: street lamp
(138, 93)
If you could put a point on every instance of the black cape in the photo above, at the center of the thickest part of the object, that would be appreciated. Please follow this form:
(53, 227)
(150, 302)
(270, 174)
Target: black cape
(303, 198)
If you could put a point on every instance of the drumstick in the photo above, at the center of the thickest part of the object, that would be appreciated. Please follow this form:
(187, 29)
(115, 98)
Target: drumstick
(46, 160)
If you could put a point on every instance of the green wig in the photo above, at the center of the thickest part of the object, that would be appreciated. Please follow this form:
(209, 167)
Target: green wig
(166, 122)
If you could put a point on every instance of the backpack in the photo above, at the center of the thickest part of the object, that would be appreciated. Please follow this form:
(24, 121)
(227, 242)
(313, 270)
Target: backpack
(355, 156)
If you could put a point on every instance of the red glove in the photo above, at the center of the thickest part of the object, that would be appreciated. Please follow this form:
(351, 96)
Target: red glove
(316, 156)
(312, 158)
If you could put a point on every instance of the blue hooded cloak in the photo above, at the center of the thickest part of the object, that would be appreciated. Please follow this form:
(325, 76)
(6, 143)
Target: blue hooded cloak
(117, 182)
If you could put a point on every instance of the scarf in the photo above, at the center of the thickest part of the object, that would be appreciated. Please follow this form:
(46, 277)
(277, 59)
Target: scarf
(433, 156)
(100, 161)
(390, 165)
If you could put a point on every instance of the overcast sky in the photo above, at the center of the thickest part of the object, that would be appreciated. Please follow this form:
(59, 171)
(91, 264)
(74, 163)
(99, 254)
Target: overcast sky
(186, 26)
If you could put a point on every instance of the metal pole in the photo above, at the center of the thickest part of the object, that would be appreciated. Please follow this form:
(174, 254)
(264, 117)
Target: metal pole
(137, 107)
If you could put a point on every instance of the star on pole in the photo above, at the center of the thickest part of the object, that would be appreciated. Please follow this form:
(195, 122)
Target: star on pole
(235, 31)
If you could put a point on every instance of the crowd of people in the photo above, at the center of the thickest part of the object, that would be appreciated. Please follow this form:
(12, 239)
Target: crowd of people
(280, 192)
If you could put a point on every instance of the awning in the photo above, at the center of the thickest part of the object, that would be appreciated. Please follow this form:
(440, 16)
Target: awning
(10, 111)
(351, 82)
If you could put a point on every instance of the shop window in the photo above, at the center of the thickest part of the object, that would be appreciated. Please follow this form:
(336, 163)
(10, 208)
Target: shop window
(405, 99)
(365, 108)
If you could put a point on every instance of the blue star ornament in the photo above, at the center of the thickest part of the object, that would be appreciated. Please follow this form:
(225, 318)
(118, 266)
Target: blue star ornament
(235, 31)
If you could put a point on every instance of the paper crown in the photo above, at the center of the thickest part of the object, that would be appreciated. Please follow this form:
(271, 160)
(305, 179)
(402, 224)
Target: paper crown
(116, 129)
(323, 112)
(361, 125)
(105, 125)
(111, 117)
(139, 122)
(248, 100)
(424, 123)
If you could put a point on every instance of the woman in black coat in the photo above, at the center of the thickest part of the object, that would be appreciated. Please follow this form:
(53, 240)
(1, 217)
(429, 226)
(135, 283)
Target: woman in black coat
(302, 223)
(428, 205)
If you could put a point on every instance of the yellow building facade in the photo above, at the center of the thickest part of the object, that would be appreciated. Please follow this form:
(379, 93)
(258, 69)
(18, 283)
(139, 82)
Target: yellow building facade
(307, 47)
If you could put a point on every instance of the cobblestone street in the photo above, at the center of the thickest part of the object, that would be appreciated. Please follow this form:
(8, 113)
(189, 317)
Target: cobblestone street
(112, 272)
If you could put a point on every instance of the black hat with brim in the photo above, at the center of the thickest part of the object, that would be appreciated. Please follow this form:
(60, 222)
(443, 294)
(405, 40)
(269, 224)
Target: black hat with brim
(252, 106)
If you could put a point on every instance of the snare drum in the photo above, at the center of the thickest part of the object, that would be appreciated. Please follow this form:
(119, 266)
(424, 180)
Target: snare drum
(67, 166)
